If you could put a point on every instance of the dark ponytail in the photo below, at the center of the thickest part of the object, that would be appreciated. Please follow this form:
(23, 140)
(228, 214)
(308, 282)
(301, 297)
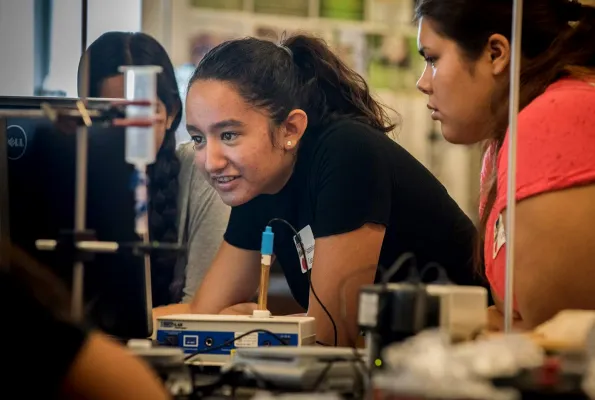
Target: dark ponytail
(558, 40)
(332, 89)
(106, 54)
(302, 73)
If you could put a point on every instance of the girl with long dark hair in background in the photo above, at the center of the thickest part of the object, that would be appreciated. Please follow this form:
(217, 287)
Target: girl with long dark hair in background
(182, 206)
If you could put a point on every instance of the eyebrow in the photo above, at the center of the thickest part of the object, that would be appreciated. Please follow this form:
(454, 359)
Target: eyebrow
(192, 129)
(228, 123)
(217, 126)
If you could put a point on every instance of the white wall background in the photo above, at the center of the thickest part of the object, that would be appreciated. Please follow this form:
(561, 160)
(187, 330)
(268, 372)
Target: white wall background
(16, 47)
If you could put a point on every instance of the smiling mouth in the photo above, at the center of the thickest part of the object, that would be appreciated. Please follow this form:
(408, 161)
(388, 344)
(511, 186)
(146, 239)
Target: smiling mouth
(225, 179)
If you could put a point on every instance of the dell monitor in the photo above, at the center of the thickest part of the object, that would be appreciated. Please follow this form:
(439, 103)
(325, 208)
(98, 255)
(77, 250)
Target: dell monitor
(41, 201)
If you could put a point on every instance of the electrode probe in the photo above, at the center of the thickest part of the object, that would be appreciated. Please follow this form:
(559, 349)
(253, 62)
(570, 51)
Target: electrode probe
(266, 254)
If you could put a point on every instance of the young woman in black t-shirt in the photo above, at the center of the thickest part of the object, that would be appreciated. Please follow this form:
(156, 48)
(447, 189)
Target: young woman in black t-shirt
(289, 131)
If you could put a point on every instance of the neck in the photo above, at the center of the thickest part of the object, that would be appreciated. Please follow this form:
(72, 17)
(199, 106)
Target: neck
(284, 176)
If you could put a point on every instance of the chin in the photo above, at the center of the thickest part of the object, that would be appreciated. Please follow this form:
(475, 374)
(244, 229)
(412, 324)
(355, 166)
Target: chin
(457, 136)
(235, 199)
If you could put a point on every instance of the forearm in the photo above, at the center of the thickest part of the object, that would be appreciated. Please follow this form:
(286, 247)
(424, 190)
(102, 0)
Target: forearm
(217, 292)
(345, 324)
(171, 309)
(232, 279)
(342, 265)
(340, 298)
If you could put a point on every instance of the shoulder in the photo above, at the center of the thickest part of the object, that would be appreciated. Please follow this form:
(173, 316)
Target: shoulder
(350, 178)
(349, 133)
(555, 140)
(352, 142)
(567, 107)
(559, 120)
(564, 95)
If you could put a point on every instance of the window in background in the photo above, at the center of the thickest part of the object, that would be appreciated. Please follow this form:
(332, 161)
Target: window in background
(41, 49)
(16, 47)
(65, 37)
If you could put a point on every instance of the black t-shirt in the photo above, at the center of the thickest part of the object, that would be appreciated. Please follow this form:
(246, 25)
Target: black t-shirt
(349, 174)
(36, 347)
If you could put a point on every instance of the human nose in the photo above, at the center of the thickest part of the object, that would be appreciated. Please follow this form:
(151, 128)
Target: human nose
(214, 157)
(424, 84)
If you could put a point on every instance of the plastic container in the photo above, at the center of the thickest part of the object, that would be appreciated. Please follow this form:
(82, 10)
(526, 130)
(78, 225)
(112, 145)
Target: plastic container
(140, 84)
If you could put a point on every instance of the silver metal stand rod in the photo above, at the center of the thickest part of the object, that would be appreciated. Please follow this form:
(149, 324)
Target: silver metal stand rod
(78, 281)
(149, 286)
(84, 245)
(515, 68)
(80, 211)
(15, 113)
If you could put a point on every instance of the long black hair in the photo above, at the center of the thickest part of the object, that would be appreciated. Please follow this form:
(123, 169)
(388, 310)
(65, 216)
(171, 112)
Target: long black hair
(302, 73)
(110, 51)
(557, 41)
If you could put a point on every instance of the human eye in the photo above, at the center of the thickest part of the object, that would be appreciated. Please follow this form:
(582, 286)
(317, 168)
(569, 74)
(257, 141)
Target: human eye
(228, 136)
(430, 60)
(198, 141)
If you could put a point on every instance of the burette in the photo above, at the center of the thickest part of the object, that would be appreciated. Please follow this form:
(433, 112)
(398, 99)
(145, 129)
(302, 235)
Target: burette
(140, 88)
(515, 68)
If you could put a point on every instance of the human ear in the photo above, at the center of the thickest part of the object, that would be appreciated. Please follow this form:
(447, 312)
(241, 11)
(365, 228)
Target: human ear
(295, 125)
(498, 49)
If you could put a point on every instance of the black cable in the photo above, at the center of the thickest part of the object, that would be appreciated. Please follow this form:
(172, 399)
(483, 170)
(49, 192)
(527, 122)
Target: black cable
(367, 372)
(335, 335)
(397, 265)
(231, 341)
(442, 277)
(322, 344)
(309, 273)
